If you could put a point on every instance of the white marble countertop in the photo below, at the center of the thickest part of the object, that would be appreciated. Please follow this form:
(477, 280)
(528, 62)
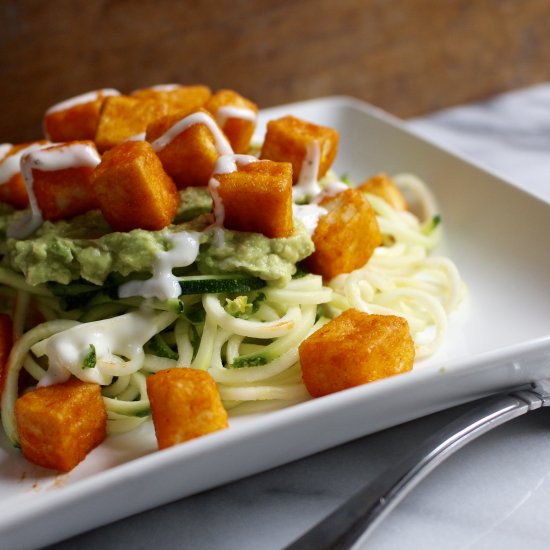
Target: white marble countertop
(495, 493)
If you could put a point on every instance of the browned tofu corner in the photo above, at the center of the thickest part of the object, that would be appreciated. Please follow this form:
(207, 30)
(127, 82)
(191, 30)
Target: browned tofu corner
(185, 404)
(287, 140)
(59, 425)
(133, 190)
(238, 130)
(77, 121)
(384, 187)
(353, 349)
(345, 238)
(264, 183)
(189, 156)
(66, 191)
(176, 97)
(123, 117)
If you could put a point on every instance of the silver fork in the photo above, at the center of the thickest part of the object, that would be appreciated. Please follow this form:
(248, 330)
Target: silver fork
(358, 516)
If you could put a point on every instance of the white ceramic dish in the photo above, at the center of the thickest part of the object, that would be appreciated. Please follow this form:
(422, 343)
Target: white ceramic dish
(495, 233)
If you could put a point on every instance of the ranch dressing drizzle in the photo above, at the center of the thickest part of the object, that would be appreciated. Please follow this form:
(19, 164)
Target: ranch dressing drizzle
(330, 190)
(78, 155)
(220, 141)
(226, 164)
(165, 87)
(229, 111)
(309, 215)
(114, 338)
(5, 149)
(81, 99)
(136, 137)
(11, 165)
(308, 185)
(164, 284)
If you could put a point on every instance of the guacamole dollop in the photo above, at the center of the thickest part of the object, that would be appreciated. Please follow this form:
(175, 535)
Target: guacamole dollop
(86, 248)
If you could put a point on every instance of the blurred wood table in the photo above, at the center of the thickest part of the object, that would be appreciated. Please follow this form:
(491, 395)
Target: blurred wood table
(406, 56)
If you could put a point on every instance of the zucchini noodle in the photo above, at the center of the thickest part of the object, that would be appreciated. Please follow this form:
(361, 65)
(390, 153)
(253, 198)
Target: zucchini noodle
(248, 343)
(400, 278)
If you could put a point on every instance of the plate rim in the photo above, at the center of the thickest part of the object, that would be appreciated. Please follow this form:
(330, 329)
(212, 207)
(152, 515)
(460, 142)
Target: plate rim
(94, 484)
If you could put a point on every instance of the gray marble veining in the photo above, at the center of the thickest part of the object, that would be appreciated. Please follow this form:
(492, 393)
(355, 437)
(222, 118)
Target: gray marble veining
(509, 134)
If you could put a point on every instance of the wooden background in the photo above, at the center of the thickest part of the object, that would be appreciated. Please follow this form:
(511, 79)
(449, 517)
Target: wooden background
(407, 56)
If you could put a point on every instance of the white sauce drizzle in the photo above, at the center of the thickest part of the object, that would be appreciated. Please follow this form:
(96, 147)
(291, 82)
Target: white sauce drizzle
(226, 164)
(164, 87)
(330, 190)
(114, 338)
(12, 165)
(5, 149)
(136, 137)
(307, 185)
(219, 210)
(220, 141)
(77, 155)
(229, 111)
(81, 99)
(164, 284)
(309, 215)
(219, 213)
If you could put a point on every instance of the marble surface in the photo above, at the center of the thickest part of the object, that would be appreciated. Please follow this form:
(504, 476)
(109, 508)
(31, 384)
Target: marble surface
(494, 493)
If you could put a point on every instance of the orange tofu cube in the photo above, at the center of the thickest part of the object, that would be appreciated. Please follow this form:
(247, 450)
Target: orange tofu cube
(76, 119)
(236, 116)
(185, 404)
(257, 198)
(383, 186)
(188, 145)
(60, 177)
(346, 237)
(175, 97)
(123, 117)
(12, 185)
(59, 425)
(6, 343)
(290, 139)
(132, 188)
(353, 349)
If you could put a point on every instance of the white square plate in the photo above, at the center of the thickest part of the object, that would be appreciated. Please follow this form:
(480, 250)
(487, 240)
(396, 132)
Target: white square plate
(496, 234)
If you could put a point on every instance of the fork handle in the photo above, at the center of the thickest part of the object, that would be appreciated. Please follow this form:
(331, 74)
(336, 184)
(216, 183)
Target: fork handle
(358, 516)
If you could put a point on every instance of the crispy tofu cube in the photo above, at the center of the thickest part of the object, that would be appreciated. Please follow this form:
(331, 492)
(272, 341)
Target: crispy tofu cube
(353, 349)
(76, 119)
(59, 425)
(185, 404)
(257, 197)
(236, 116)
(188, 145)
(12, 185)
(60, 178)
(6, 342)
(123, 117)
(290, 139)
(384, 187)
(132, 188)
(346, 237)
(175, 97)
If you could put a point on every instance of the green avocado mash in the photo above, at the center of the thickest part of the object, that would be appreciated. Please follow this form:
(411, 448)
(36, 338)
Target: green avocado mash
(86, 248)
(194, 201)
